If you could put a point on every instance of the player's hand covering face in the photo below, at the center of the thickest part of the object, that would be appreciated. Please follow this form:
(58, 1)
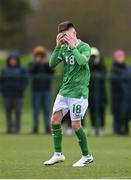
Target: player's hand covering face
(59, 39)
(70, 39)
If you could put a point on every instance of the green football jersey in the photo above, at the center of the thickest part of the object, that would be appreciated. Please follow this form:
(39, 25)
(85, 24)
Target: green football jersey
(76, 70)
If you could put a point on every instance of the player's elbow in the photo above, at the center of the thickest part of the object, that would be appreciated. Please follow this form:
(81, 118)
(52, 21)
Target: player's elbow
(82, 63)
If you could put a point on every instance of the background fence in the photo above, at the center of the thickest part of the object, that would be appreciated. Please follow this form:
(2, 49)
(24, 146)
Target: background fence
(27, 116)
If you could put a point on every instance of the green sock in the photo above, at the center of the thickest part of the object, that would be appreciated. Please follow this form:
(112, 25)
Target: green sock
(82, 141)
(57, 137)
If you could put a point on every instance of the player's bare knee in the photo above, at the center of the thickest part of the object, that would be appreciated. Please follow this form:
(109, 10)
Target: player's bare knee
(76, 125)
(56, 118)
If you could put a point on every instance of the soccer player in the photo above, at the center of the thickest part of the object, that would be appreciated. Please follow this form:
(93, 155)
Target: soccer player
(73, 94)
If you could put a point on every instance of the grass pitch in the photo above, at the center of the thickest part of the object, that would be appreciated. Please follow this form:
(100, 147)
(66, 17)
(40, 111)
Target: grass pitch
(21, 156)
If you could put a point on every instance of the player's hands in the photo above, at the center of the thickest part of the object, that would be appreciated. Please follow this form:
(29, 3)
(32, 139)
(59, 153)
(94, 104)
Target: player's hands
(71, 41)
(59, 39)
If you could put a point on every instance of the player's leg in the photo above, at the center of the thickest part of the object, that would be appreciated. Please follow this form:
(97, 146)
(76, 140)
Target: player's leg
(81, 135)
(77, 109)
(83, 143)
(59, 110)
(57, 139)
(57, 130)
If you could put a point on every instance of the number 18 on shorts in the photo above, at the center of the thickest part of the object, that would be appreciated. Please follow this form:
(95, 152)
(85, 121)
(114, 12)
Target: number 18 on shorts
(77, 107)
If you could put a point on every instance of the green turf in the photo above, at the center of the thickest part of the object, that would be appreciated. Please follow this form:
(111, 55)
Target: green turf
(21, 157)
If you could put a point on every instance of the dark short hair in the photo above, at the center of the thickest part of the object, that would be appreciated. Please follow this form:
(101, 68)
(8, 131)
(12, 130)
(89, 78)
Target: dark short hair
(65, 26)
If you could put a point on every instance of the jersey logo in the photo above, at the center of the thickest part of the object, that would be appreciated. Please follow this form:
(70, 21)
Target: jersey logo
(70, 60)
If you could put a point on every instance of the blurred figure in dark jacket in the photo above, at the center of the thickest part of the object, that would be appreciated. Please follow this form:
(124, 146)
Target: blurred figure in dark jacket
(126, 112)
(119, 91)
(97, 95)
(13, 83)
(41, 84)
(127, 107)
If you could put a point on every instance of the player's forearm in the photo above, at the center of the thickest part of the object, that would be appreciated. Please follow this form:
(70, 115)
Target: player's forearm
(80, 58)
(54, 60)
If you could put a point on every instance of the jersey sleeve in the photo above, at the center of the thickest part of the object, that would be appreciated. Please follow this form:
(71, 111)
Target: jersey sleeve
(55, 57)
(82, 55)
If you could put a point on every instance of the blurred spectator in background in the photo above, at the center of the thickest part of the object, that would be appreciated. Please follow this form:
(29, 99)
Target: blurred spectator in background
(127, 107)
(126, 111)
(119, 87)
(13, 83)
(97, 95)
(41, 92)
